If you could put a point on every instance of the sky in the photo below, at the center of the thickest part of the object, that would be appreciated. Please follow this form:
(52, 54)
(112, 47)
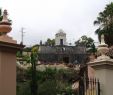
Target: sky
(41, 19)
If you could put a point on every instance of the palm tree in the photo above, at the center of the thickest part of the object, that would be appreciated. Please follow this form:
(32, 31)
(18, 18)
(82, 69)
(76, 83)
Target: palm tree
(105, 23)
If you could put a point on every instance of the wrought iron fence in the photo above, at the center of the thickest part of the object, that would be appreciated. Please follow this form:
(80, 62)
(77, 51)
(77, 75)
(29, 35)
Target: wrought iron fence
(89, 87)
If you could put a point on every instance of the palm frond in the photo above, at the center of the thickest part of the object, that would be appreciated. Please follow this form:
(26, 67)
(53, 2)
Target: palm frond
(97, 31)
(96, 22)
(0, 11)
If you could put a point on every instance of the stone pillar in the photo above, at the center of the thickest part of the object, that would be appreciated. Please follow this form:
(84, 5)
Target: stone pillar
(104, 72)
(8, 68)
(8, 49)
(103, 67)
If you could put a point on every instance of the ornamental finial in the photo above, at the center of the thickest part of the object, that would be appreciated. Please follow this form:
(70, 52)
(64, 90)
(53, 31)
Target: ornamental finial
(5, 25)
(5, 19)
(102, 39)
(102, 49)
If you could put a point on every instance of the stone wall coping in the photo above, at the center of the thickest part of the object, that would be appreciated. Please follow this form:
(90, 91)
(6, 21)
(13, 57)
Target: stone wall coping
(11, 45)
(101, 64)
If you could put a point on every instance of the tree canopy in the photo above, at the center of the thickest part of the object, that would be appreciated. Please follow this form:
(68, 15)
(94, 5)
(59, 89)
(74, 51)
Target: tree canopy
(88, 42)
(50, 42)
(105, 23)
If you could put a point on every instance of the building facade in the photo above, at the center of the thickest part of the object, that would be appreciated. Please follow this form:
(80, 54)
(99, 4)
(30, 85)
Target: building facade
(60, 38)
(61, 52)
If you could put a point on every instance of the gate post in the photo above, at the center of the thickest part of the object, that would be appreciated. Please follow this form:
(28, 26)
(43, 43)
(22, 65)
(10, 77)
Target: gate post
(8, 49)
(103, 67)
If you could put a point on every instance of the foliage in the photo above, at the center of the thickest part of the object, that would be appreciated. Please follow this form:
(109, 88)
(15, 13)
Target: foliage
(87, 42)
(18, 54)
(27, 49)
(23, 88)
(27, 58)
(35, 49)
(51, 82)
(105, 23)
(33, 82)
(50, 42)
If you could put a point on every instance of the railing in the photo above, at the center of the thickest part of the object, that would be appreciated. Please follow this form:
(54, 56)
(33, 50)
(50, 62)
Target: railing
(89, 87)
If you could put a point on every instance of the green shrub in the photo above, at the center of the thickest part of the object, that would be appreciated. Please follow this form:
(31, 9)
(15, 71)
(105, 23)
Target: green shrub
(50, 82)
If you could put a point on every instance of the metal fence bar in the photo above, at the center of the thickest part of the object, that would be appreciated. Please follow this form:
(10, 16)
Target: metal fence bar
(89, 87)
(98, 87)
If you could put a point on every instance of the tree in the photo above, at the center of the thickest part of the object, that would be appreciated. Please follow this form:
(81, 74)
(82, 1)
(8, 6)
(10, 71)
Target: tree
(105, 23)
(50, 42)
(27, 49)
(87, 42)
(34, 59)
(35, 49)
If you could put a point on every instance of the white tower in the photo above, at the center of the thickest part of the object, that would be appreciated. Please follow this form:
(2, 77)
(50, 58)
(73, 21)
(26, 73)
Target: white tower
(60, 38)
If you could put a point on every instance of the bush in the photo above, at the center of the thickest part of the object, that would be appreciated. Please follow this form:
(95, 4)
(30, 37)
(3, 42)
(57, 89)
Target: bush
(50, 82)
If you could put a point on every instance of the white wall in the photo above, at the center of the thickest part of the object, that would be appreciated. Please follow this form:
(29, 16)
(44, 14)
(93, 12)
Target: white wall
(104, 73)
(57, 40)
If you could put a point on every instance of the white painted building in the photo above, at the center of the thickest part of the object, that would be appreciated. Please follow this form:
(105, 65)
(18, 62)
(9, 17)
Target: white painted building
(60, 38)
